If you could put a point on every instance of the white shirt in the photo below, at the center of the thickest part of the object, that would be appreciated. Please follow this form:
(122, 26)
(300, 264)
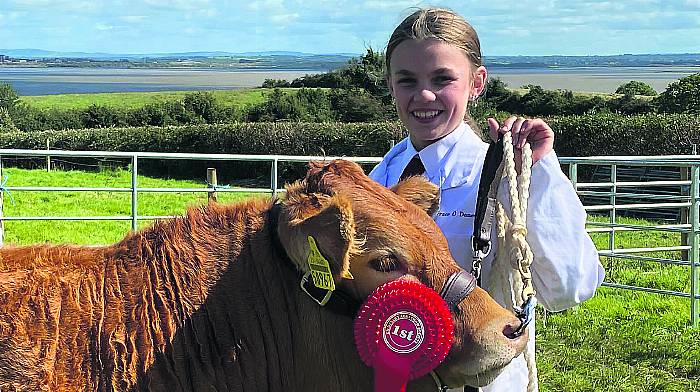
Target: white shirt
(566, 269)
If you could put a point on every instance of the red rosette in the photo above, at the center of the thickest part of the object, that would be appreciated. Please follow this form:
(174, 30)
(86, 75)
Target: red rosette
(403, 330)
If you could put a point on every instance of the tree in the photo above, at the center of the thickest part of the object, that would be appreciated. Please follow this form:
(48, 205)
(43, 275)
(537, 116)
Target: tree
(201, 103)
(358, 105)
(6, 123)
(274, 83)
(8, 97)
(635, 87)
(682, 96)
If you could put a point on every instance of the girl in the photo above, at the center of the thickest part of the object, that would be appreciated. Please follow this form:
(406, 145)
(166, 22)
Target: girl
(434, 70)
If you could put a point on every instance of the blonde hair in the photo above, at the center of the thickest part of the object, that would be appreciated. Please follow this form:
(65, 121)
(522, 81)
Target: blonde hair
(442, 24)
(439, 23)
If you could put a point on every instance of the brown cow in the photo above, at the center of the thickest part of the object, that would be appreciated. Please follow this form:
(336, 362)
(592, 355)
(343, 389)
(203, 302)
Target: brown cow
(211, 301)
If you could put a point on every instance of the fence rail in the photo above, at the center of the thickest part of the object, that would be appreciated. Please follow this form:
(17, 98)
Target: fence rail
(614, 195)
(666, 183)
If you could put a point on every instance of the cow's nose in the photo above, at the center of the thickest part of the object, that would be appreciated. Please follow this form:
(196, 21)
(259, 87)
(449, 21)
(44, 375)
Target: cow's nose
(510, 331)
(511, 327)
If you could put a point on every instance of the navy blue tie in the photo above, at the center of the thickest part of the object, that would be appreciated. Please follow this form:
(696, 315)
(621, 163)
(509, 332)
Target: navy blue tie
(415, 167)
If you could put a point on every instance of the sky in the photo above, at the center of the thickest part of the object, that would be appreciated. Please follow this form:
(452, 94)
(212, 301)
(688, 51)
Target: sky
(522, 27)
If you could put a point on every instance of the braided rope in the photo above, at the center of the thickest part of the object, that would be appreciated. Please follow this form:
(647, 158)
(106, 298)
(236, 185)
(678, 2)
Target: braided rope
(512, 243)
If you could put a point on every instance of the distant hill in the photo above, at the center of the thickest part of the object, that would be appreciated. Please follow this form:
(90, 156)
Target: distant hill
(291, 60)
(623, 60)
(49, 54)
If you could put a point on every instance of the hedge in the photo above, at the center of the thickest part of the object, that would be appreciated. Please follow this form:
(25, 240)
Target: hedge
(341, 139)
(614, 134)
(579, 135)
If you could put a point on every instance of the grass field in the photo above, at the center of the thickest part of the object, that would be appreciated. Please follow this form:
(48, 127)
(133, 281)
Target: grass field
(91, 204)
(235, 98)
(618, 341)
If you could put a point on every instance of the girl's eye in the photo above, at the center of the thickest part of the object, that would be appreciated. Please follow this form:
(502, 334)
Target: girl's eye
(444, 79)
(405, 81)
(385, 264)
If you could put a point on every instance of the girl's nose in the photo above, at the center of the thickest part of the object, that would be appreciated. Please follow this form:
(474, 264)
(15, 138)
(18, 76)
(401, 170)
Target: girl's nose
(425, 95)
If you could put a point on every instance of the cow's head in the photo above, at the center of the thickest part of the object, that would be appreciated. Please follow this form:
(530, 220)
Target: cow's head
(372, 235)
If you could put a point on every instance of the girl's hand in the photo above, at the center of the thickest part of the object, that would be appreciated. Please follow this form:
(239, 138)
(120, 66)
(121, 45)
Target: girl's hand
(535, 131)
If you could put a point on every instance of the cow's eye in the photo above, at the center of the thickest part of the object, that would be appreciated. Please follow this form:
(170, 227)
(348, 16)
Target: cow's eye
(385, 264)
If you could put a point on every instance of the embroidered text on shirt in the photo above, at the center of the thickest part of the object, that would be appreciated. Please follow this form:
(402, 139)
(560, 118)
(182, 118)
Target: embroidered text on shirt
(456, 213)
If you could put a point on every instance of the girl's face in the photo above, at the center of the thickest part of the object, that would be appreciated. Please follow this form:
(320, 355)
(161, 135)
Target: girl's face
(432, 82)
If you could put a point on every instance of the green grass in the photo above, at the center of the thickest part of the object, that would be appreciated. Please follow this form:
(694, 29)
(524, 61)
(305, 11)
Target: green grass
(622, 340)
(236, 98)
(40, 203)
(618, 341)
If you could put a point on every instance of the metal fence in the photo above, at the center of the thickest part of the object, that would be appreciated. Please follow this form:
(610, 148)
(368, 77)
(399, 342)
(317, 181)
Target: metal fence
(611, 196)
(615, 195)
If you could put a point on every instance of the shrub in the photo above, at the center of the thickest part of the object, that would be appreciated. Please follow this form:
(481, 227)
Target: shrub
(6, 123)
(682, 96)
(97, 116)
(202, 104)
(8, 97)
(635, 87)
(357, 105)
(307, 105)
(540, 102)
(276, 83)
(630, 104)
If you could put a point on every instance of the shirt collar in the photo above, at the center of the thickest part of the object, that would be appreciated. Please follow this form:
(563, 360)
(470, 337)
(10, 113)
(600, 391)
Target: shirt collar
(433, 154)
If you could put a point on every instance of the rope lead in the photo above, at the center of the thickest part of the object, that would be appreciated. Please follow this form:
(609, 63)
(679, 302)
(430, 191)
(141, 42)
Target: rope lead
(513, 247)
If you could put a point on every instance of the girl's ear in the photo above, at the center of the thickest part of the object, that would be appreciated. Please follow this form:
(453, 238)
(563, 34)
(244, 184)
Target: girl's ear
(480, 75)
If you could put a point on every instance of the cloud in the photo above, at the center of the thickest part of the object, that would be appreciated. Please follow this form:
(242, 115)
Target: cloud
(103, 27)
(179, 4)
(133, 18)
(284, 18)
(265, 5)
(505, 27)
(83, 6)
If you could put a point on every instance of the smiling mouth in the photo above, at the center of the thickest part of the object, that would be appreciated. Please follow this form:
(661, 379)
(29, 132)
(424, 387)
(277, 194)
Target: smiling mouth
(426, 114)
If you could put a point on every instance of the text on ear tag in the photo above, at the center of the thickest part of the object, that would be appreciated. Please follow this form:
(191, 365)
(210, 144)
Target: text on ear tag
(319, 267)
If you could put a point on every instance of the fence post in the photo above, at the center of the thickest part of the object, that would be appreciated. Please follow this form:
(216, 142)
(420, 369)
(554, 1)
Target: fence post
(273, 178)
(48, 157)
(2, 207)
(211, 183)
(613, 210)
(694, 251)
(134, 192)
(573, 174)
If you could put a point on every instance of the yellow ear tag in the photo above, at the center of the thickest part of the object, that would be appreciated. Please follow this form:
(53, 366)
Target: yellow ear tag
(319, 267)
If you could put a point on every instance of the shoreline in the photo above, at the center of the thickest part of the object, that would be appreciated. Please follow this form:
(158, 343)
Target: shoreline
(33, 81)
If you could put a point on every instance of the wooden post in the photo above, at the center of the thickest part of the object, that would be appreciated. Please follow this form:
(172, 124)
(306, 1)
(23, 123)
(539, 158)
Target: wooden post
(2, 206)
(211, 182)
(48, 157)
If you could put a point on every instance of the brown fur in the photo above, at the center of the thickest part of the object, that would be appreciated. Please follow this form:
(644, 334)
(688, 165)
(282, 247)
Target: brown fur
(203, 302)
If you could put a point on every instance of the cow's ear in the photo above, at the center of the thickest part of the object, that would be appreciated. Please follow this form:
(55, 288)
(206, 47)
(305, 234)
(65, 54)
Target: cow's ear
(319, 225)
(419, 191)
